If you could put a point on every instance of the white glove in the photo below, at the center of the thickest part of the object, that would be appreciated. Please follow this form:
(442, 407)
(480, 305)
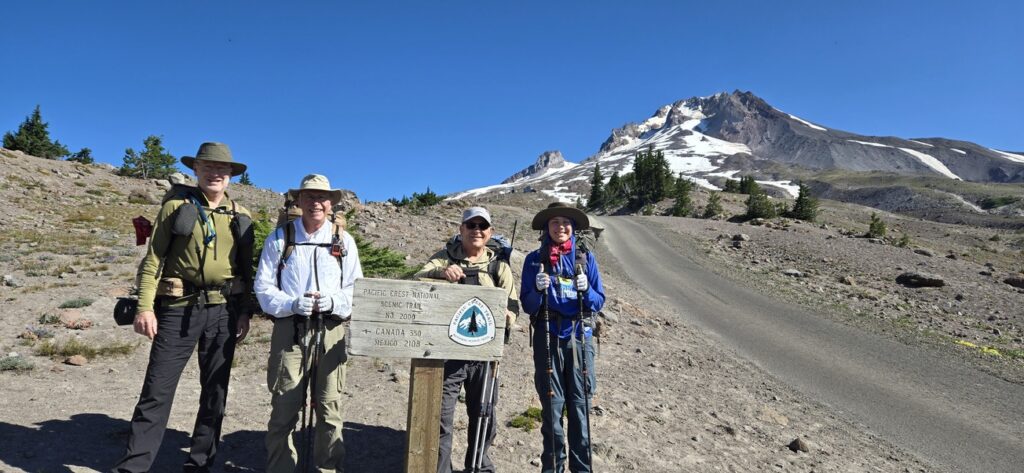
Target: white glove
(303, 306)
(581, 283)
(543, 281)
(324, 304)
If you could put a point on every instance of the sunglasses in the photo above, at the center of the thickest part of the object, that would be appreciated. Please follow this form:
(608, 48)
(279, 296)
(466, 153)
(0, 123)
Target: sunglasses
(475, 225)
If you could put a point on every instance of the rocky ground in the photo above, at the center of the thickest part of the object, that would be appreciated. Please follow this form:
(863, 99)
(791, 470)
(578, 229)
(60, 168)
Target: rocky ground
(668, 398)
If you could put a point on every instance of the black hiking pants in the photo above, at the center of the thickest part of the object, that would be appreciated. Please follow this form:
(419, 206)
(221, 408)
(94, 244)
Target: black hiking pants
(473, 375)
(567, 383)
(179, 330)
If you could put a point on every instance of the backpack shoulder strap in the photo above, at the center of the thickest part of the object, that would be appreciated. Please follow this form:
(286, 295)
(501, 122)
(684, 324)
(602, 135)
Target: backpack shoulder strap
(289, 247)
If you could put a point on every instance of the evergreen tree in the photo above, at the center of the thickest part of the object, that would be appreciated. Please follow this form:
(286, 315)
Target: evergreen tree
(597, 192)
(579, 203)
(805, 207)
(613, 191)
(652, 176)
(748, 185)
(83, 156)
(732, 186)
(683, 205)
(714, 207)
(32, 138)
(244, 179)
(154, 162)
(876, 229)
(758, 204)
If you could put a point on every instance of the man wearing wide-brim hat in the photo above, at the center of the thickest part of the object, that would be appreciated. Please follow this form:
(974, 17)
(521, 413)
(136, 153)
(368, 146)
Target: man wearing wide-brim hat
(194, 288)
(561, 284)
(305, 279)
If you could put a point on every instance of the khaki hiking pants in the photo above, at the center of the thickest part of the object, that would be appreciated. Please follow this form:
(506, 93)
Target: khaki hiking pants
(289, 392)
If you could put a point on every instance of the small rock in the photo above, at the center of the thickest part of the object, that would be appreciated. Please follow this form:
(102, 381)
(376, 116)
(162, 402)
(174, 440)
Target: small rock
(28, 335)
(741, 237)
(985, 272)
(924, 252)
(793, 273)
(847, 280)
(798, 445)
(917, 279)
(11, 281)
(76, 360)
(535, 462)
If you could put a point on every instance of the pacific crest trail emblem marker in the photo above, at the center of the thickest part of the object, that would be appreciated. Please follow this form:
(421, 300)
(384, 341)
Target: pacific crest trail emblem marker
(472, 325)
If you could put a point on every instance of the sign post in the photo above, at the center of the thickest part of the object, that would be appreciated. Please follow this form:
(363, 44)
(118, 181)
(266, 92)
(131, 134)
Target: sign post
(428, 322)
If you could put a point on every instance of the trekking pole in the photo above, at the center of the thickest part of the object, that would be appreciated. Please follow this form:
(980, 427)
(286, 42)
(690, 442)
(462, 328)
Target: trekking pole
(316, 343)
(511, 244)
(545, 317)
(304, 347)
(483, 421)
(580, 295)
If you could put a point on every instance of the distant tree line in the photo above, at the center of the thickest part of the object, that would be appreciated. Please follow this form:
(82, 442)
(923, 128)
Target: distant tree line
(418, 200)
(652, 181)
(151, 162)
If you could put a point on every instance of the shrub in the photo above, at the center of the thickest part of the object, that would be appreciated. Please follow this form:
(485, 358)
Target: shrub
(806, 207)
(75, 346)
(49, 319)
(15, 363)
(759, 206)
(904, 241)
(993, 202)
(76, 303)
(527, 420)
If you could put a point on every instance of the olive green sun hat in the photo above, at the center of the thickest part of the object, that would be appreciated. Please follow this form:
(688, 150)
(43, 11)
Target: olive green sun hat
(214, 153)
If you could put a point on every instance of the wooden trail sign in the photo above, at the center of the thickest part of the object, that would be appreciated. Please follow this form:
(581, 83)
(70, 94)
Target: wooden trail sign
(428, 322)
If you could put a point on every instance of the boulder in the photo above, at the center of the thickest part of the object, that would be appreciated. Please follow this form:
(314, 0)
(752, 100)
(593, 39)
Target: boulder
(1015, 281)
(919, 279)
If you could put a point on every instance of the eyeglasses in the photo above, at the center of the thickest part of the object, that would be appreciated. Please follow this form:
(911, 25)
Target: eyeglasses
(474, 225)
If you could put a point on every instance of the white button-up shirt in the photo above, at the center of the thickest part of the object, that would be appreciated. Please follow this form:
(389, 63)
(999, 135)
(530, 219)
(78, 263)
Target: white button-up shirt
(297, 276)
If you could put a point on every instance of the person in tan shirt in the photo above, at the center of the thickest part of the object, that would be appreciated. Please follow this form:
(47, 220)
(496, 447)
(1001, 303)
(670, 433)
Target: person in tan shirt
(468, 260)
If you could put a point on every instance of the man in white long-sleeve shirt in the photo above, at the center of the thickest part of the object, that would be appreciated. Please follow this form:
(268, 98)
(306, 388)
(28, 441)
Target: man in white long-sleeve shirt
(307, 271)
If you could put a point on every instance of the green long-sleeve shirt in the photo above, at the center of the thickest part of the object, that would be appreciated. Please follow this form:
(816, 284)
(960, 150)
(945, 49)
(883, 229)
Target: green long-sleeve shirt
(188, 258)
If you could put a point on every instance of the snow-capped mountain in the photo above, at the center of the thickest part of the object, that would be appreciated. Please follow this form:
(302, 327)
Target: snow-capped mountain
(709, 139)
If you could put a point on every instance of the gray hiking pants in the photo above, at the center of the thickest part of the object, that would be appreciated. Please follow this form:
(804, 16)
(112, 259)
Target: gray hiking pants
(473, 375)
(567, 382)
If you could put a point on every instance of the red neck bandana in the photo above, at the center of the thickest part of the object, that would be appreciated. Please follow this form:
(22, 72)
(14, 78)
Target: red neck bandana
(557, 250)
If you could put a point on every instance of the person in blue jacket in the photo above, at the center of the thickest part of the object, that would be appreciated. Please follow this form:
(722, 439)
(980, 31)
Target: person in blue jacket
(561, 283)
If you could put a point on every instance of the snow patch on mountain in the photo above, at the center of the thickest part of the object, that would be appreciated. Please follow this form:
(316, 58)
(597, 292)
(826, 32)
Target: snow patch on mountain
(958, 151)
(921, 143)
(792, 189)
(805, 122)
(1012, 157)
(931, 162)
(868, 143)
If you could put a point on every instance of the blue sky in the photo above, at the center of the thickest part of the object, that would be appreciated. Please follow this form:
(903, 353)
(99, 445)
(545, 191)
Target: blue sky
(387, 98)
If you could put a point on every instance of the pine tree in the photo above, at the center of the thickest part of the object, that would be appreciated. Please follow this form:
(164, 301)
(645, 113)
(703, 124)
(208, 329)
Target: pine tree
(805, 207)
(748, 185)
(732, 186)
(876, 229)
(83, 156)
(714, 206)
(597, 192)
(32, 138)
(653, 177)
(758, 204)
(613, 192)
(244, 179)
(683, 205)
(154, 162)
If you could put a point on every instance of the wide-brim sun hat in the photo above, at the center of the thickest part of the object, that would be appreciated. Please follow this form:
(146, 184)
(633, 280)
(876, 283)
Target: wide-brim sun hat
(214, 153)
(316, 182)
(561, 209)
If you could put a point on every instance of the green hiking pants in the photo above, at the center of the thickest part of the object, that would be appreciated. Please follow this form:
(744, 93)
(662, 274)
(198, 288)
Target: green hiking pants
(287, 382)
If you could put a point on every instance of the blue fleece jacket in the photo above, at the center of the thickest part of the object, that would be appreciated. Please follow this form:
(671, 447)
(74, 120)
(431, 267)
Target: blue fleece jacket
(562, 291)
